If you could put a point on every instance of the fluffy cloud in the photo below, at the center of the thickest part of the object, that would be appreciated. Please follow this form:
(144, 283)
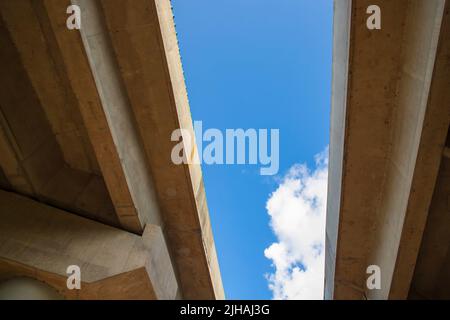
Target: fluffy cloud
(297, 211)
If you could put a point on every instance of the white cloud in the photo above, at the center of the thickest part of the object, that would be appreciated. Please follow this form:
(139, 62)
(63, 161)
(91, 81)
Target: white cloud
(297, 211)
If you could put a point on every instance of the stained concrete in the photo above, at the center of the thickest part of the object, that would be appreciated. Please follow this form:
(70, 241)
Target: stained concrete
(49, 240)
(106, 100)
(389, 123)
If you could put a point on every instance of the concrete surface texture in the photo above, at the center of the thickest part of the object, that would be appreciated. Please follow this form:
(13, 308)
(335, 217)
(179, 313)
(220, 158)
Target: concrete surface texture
(390, 119)
(85, 123)
(86, 176)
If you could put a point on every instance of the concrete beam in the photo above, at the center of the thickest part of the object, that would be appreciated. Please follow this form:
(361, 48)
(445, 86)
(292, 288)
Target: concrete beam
(12, 169)
(24, 288)
(389, 143)
(144, 40)
(446, 153)
(90, 71)
(40, 242)
(113, 89)
(33, 161)
(431, 275)
(420, 130)
(341, 43)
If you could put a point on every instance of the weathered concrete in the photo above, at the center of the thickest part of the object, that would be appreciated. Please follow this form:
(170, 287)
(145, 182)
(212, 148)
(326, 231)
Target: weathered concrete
(47, 76)
(419, 132)
(395, 124)
(144, 40)
(23, 288)
(118, 112)
(89, 130)
(341, 42)
(32, 157)
(40, 241)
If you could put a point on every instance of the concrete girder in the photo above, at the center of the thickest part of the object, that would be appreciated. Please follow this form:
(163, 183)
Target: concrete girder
(390, 117)
(40, 242)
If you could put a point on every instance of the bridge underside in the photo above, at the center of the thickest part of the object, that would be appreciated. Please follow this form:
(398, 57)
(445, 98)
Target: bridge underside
(86, 176)
(389, 186)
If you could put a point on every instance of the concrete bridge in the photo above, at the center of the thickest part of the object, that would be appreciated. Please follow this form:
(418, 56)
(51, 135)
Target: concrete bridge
(389, 175)
(86, 176)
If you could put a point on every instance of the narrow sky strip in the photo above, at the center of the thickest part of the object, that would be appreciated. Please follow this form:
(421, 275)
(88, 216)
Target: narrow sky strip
(262, 64)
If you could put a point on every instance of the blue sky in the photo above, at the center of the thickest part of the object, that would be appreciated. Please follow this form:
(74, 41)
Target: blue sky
(255, 64)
